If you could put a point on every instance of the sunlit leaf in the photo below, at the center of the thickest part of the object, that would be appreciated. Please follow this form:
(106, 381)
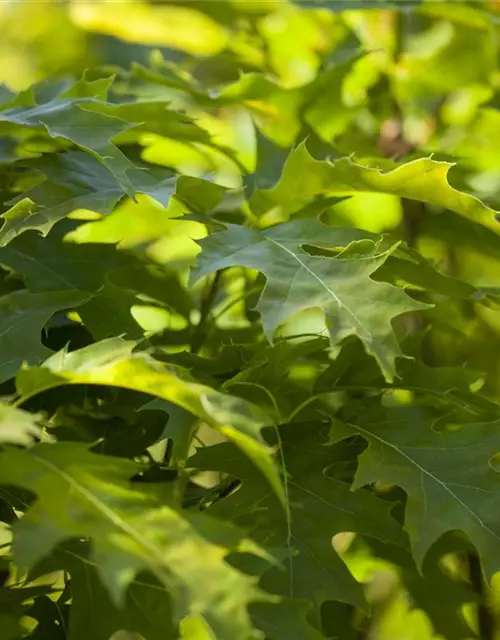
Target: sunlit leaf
(249, 328)
(18, 426)
(424, 180)
(177, 27)
(111, 362)
(183, 552)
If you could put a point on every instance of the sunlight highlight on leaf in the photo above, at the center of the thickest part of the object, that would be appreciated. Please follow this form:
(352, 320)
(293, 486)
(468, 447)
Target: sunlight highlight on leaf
(178, 27)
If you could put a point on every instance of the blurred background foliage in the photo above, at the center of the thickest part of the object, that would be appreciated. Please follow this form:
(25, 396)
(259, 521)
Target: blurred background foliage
(385, 82)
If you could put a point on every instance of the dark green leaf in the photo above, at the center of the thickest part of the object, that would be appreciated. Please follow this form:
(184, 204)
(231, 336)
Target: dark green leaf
(322, 505)
(352, 301)
(443, 473)
(22, 318)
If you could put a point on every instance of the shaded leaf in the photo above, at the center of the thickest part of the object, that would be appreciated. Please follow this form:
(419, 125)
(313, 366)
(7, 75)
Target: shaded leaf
(22, 318)
(180, 427)
(75, 180)
(321, 505)
(444, 473)
(286, 620)
(353, 303)
(14, 602)
(67, 117)
(147, 609)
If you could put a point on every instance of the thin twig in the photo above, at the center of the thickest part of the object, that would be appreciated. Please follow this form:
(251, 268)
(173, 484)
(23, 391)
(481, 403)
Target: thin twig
(207, 302)
(485, 620)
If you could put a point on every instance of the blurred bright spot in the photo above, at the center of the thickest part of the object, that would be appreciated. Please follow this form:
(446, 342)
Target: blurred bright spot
(397, 398)
(307, 323)
(258, 6)
(183, 157)
(194, 628)
(232, 128)
(342, 541)
(145, 221)
(191, 159)
(401, 622)
(39, 40)
(158, 25)
(363, 565)
(74, 316)
(460, 107)
(153, 319)
(296, 39)
(131, 223)
(303, 372)
(84, 214)
(374, 212)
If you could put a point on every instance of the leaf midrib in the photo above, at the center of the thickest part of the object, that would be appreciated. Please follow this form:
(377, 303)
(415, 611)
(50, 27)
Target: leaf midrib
(109, 514)
(424, 471)
(155, 561)
(322, 283)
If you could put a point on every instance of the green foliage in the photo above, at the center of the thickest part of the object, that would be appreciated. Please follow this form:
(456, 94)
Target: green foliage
(352, 301)
(249, 325)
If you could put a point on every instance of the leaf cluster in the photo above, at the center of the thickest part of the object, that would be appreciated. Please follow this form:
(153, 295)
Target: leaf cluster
(249, 328)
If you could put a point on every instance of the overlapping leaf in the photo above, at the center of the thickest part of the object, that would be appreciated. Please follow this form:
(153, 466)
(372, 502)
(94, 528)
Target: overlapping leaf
(65, 116)
(18, 426)
(130, 532)
(129, 543)
(148, 605)
(341, 286)
(441, 595)
(22, 318)
(112, 281)
(423, 179)
(112, 363)
(321, 506)
(74, 180)
(449, 476)
(14, 603)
